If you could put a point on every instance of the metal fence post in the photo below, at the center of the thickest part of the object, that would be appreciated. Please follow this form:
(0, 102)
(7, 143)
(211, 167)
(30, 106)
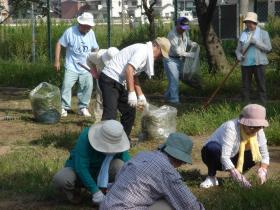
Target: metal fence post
(109, 21)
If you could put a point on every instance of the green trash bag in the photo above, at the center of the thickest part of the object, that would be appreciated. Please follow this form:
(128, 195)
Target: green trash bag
(46, 103)
(158, 122)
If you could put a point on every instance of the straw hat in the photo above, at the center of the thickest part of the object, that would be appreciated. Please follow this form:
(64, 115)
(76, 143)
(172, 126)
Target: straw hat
(108, 137)
(251, 16)
(164, 44)
(179, 146)
(86, 19)
(253, 115)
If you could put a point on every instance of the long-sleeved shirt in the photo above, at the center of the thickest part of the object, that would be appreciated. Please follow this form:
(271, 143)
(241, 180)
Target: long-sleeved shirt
(86, 161)
(228, 136)
(179, 43)
(145, 179)
(256, 53)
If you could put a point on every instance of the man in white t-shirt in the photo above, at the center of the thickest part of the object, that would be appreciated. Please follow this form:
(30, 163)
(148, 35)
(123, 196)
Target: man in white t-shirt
(119, 83)
(79, 41)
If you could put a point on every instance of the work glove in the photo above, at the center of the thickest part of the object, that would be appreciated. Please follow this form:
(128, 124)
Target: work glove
(132, 99)
(189, 54)
(98, 197)
(253, 40)
(194, 44)
(142, 100)
(262, 174)
(240, 57)
(237, 176)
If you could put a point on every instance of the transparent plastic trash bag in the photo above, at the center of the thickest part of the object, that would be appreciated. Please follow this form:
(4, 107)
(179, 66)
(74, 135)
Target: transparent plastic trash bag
(158, 122)
(46, 103)
(191, 70)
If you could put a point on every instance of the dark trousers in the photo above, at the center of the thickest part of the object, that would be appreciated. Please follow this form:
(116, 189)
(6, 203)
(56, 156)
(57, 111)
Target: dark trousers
(115, 98)
(211, 156)
(259, 74)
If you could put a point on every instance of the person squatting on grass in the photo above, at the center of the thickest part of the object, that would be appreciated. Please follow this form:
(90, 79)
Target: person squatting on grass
(79, 41)
(150, 180)
(173, 65)
(119, 79)
(253, 60)
(99, 153)
(236, 146)
(97, 61)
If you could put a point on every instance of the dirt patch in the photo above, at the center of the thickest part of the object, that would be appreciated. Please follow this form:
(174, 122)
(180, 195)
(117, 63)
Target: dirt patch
(4, 150)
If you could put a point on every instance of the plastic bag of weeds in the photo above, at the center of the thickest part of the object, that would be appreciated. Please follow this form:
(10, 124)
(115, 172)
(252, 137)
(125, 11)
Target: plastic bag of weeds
(191, 74)
(158, 122)
(46, 103)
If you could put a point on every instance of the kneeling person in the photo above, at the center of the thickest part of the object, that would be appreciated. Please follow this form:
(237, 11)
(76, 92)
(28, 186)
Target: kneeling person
(150, 180)
(98, 155)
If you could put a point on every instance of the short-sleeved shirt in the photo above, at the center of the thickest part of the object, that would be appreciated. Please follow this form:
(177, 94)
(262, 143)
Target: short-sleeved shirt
(78, 46)
(136, 55)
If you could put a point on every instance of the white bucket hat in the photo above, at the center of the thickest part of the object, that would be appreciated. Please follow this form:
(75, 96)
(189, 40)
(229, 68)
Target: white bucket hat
(108, 137)
(110, 53)
(251, 16)
(86, 19)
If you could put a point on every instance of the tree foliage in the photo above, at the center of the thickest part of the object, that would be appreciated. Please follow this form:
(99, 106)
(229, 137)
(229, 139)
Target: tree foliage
(16, 6)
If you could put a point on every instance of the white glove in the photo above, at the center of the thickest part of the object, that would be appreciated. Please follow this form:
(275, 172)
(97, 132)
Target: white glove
(132, 99)
(142, 100)
(237, 176)
(262, 174)
(240, 57)
(189, 54)
(98, 197)
(194, 44)
(253, 40)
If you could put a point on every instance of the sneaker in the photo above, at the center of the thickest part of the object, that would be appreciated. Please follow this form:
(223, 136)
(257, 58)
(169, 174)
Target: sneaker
(63, 113)
(84, 112)
(210, 181)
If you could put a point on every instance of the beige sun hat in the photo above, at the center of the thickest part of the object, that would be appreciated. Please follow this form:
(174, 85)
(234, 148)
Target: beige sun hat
(251, 16)
(108, 137)
(253, 115)
(86, 19)
(109, 54)
(164, 44)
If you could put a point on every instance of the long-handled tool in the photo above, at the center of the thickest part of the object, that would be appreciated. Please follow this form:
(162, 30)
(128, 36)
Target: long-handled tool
(92, 71)
(226, 77)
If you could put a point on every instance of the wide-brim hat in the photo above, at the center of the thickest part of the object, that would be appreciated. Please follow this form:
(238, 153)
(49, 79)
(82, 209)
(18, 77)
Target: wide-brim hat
(108, 137)
(178, 146)
(251, 16)
(109, 54)
(253, 115)
(86, 19)
(164, 44)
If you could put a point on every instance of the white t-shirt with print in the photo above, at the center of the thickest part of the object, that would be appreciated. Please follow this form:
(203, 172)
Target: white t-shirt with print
(136, 55)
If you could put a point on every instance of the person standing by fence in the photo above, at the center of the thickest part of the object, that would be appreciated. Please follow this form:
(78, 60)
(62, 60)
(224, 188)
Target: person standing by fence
(79, 41)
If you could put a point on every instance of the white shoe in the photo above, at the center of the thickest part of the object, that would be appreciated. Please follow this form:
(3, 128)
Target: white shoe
(210, 181)
(84, 112)
(63, 113)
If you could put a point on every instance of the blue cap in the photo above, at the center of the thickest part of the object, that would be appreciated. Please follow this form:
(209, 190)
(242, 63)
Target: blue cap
(183, 22)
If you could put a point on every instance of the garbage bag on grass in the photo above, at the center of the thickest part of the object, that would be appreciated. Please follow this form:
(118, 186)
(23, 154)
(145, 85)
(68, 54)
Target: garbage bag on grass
(46, 103)
(191, 74)
(158, 122)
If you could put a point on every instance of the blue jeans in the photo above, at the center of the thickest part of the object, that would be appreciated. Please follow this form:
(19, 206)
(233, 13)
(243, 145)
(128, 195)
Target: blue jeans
(211, 156)
(173, 68)
(85, 82)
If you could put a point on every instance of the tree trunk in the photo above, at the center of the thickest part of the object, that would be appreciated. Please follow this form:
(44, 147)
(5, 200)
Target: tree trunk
(149, 11)
(216, 57)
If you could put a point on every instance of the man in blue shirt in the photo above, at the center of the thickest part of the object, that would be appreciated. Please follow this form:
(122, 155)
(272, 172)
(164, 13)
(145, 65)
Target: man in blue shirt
(99, 153)
(79, 41)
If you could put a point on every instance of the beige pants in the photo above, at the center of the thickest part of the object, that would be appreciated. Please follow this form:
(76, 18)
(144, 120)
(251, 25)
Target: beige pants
(66, 179)
(160, 205)
(98, 107)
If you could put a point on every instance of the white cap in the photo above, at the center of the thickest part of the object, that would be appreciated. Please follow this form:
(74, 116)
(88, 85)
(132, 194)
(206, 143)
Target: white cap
(109, 54)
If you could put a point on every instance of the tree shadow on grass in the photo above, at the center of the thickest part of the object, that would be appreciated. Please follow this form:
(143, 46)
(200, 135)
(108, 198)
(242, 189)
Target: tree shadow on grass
(65, 140)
